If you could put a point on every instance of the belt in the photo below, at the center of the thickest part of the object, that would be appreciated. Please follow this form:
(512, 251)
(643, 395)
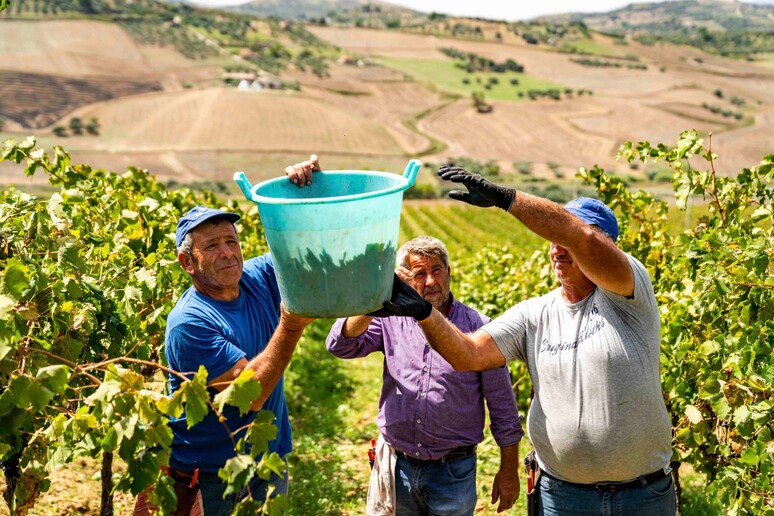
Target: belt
(614, 487)
(455, 454)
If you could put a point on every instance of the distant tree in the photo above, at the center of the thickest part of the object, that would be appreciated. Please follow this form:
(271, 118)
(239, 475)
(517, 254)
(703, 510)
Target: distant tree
(719, 93)
(60, 131)
(76, 126)
(93, 126)
(2, 123)
(478, 99)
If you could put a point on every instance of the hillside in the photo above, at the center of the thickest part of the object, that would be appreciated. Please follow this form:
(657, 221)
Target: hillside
(725, 27)
(560, 96)
(660, 18)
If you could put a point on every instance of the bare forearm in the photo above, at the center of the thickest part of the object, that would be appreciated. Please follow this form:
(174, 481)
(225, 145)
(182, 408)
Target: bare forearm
(509, 459)
(597, 256)
(474, 352)
(547, 219)
(270, 364)
(355, 326)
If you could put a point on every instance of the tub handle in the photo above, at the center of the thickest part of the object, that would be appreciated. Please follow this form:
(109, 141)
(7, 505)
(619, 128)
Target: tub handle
(244, 184)
(411, 172)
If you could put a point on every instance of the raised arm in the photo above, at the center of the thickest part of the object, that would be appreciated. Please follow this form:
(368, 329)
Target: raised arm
(269, 365)
(596, 255)
(475, 351)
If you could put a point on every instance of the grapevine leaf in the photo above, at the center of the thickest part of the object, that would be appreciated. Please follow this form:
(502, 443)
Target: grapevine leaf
(237, 472)
(171, 405)
(742, 415)
(147, 277)
(693, 414)
(272, 463)
(241, 392)
(249, 507)
(15, 279)
(261, 431)
(54, 377)
(6, 308)
(196, 397)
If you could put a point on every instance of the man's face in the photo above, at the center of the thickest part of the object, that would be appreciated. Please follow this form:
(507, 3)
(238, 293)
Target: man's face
(431, 278)
(216, 258)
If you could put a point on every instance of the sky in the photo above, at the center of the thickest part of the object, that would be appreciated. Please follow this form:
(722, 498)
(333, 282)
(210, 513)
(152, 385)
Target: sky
(510, 10)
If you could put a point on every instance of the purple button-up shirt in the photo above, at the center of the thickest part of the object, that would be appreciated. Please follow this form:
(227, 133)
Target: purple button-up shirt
(427, 408)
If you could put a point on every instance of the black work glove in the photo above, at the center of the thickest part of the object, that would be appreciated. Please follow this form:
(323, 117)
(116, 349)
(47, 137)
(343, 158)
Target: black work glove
(404, 301)
(481, 191)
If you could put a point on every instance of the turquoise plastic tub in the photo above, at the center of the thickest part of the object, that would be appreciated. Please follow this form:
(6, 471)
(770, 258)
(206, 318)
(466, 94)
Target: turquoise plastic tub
(334, 242)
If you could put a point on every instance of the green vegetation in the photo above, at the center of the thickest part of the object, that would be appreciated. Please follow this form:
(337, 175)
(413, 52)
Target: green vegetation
(446, 76)
(83, 307)
(586, 46)
(197, 33)
(601, 63)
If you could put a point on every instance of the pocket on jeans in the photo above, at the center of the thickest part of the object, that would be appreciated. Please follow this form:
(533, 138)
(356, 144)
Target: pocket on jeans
(548, 484)
(661, 487)
(461, 469)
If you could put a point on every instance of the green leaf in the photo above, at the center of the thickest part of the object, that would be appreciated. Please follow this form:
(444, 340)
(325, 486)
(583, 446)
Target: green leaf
(241, 393)
(196, 397)
(171, 405)
(709, 347)
(273, 463)
(54, 377)
(749, 457)
(237, 472)
(15, 279)
(693, 414)
(741, 415)
(147, 277)
(261, 431)
(6, 308)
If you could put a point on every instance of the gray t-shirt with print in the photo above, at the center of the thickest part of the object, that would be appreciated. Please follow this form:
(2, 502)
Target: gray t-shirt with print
(598, 413)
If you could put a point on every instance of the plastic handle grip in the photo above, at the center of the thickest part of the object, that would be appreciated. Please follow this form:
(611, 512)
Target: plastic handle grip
(244, 184)
(411, 171)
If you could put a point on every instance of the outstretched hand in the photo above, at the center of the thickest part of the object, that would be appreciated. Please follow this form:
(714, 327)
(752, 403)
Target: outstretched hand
(404, 301)
(300, 174)
(481, 192)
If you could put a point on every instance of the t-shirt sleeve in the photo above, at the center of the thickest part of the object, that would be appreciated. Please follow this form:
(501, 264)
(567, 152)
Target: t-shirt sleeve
(643, 301)
(509, 332)
(200, 344)
(261, 269)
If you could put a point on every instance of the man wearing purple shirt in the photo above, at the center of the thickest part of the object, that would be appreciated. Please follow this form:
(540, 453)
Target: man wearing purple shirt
(432, 416)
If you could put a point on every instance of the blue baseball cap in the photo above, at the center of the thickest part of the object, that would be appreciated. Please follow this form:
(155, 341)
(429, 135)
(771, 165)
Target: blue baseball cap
(594, 211)
(196, 216)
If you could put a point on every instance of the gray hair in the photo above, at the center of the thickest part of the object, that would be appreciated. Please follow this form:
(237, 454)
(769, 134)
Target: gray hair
(186, 246)
(598, 229)
(422, 246)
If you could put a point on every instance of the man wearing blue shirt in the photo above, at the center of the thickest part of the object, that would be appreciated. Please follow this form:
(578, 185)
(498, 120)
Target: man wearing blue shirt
(229, 321)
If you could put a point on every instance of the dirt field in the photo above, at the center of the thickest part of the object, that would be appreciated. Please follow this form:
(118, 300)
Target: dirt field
(71, 48)
(198, 130)
(653, 104)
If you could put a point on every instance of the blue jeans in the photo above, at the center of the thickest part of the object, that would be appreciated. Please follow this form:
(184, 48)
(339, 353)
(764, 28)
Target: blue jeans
(438, 489)
(212, 488)
(559, 498)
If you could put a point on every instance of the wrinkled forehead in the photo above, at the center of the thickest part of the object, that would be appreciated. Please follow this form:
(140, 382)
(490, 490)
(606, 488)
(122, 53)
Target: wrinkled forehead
(425, 261)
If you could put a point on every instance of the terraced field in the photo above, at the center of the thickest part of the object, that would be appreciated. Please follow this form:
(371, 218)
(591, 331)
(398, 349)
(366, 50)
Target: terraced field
(465, 229)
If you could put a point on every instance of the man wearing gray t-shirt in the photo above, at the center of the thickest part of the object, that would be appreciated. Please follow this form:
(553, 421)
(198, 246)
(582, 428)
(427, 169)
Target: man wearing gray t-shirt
(598, 421)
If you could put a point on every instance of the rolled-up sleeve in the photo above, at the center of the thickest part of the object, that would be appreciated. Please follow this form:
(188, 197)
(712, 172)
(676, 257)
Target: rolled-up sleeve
(505, 421)
(368, 342)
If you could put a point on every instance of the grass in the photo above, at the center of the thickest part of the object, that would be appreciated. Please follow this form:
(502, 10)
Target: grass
(444, 75)
(590, 47)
